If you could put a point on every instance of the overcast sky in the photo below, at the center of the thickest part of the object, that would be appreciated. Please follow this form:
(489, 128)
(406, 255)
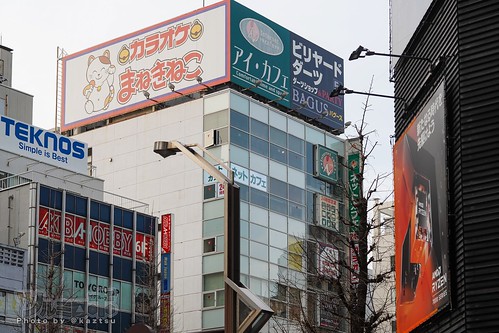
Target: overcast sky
(35, 29)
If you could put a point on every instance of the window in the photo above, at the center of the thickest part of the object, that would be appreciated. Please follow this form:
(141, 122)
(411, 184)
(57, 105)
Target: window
(239, 121)
(259, 129)
(209, 245)
(209, 192)
(259, 146)
(278, 137)
(278, 154)
(239, 138)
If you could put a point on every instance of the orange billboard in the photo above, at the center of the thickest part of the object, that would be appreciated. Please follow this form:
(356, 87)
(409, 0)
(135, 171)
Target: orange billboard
(421, 231)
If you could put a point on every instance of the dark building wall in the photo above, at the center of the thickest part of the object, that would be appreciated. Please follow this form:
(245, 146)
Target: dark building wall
(462, 38)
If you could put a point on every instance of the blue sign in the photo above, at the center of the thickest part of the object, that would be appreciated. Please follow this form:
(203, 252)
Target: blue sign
(41, 145)
(283, 67)
(165, 272)
(314, 73)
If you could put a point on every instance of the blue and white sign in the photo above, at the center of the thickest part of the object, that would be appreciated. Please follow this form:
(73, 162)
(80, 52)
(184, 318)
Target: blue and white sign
(41, 145)
(165, 272)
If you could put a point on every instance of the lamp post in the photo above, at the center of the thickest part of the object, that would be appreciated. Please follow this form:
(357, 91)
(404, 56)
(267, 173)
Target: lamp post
(235, 291)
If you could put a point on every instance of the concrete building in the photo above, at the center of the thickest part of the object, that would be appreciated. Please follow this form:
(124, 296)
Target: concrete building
(446, 175)
(72, 257)
(383, 296)
(275, 134)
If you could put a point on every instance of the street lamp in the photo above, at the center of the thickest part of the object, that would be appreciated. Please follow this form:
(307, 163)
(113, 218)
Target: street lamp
(235, 291)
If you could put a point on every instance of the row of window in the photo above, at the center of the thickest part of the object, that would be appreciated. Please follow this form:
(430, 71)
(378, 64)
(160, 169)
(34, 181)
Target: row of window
(99, 211)
(49, 252)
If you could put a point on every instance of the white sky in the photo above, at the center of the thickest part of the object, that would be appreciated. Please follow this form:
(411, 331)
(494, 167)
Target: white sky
(34, 29)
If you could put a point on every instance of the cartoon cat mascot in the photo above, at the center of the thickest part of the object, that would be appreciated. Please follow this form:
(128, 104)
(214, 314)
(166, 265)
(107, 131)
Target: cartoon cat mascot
(99, 91)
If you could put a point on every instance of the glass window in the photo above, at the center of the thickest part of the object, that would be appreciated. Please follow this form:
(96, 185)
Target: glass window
(220, 242)
(239, 104)
(309, 157)
(278, 205)
(208, 299)
(244, 246)
(240, 121)
(244, 266)
(140, 223)
(278, 153)
(115, 295)
(278, 137)
(296, 177)
(127, 219)
(213, 227)
(278, 256)
(259, 146)
(118, 216)
(278, 120)
(243, 192)
(210, 192)
(70, 203)
(213, 263)
(278, 222)
(296, 144)
(278, 170)
(296, 194)
(258, 233)
(297, 211)
(313, 135)
(296, 161)
(213, 209)
(259, 112)
(244, 228)
(81, 206)
(213, 281)
(259, 251)
(239, 156)
(297, 128)
(278, 239)
(213, 318)
(259, 216)
(259, 129)
(209, 245)
(239, 138)
(126, 269)
(259, 198)
(126, 296)
(259, 268)
(278, 187)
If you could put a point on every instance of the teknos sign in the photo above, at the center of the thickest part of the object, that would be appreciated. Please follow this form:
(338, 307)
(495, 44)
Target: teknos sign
(41, 145)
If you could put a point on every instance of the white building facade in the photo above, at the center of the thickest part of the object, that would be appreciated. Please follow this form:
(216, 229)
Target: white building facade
(272, 156)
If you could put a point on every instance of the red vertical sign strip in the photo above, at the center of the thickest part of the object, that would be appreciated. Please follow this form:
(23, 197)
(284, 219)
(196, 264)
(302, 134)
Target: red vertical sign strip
(166, 233)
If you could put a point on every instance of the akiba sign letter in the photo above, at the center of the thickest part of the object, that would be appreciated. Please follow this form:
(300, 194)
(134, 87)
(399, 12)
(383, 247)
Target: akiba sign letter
(99, 234)
(44, 146)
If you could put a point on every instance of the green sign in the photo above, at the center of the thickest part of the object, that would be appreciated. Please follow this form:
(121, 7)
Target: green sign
(353, 185)
(326, 164)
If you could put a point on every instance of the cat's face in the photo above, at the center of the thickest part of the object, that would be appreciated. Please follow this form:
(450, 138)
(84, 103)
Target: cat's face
(98, 70)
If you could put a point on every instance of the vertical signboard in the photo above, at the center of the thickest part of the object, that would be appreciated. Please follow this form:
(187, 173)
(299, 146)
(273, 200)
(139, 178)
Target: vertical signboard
(328, 259)
(326, 212)
(421, 244)
(354, 190)
(166, 241)
(166, 232)
(112, 78)
(284, 67)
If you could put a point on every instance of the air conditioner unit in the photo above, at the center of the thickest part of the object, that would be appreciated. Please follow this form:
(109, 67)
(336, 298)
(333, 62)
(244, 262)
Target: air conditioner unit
(211, 138)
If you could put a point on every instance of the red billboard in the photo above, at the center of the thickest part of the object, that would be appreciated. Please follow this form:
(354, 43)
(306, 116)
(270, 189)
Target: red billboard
(166, 232)
(75, 233)
(421, 231)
